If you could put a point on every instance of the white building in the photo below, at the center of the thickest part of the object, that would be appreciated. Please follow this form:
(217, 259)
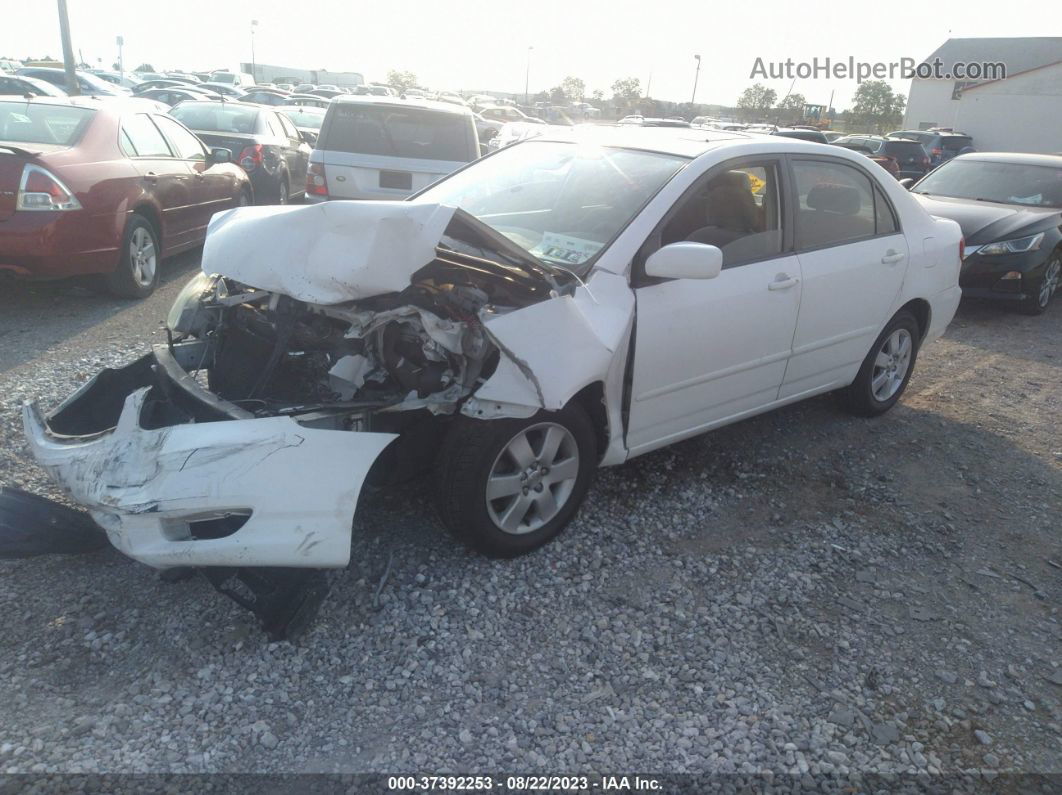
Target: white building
(1021, 113)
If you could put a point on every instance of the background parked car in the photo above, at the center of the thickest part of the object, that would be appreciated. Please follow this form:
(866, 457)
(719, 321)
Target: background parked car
(307, 120)
(227, 91)
(266, 96)
(388, 148)
(308, 100)
(172, 96)
(264, 143)
(88, 83)
(104, 188)
(815, 136)
(23, 86)
(940, 146)
(165, 82)
(1010, 209)
(911, 156)
(327, 93)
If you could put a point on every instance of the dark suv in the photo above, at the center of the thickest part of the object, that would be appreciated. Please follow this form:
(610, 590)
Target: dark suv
(910, 156)
(941, 145)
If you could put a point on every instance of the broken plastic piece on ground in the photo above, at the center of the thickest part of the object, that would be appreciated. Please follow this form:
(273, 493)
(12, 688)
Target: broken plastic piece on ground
(285, 600)
(32, 525)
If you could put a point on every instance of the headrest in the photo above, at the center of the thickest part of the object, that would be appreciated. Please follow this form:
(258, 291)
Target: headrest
(840, 199)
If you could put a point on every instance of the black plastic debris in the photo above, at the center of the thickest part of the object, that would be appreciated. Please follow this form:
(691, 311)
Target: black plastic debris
(32, 525)
(285, 600)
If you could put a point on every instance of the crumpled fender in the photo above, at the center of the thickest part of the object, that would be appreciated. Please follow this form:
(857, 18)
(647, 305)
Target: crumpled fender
(553, 349)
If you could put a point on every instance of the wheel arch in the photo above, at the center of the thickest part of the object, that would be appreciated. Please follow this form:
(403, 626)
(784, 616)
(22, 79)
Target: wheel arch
(923, 313)
(153, 217)
(591, 398)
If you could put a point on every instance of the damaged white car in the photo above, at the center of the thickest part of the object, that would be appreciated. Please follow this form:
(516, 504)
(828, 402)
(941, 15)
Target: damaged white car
(563, 304)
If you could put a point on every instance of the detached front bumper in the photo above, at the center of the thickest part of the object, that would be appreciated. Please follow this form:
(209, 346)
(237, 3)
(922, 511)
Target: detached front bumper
(233, 492)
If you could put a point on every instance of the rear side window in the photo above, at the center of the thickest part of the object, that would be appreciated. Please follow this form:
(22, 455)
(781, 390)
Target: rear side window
(956, 143)
(144, 137)
(835, 203)
(904, 148)
(394, 131)
(216, 117)
(25, 122)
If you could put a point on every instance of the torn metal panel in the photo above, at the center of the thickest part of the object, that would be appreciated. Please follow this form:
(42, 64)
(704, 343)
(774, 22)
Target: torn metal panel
(325, 253)
(152, 489)
(552, 349)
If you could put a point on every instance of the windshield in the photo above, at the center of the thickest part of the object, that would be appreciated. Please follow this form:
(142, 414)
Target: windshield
(1007, 183)
(27, 122)
(561, 202)
(218, 117)
(396, 131)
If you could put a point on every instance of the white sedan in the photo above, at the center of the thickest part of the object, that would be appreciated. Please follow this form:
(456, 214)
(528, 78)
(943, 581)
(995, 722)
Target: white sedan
(567, 303)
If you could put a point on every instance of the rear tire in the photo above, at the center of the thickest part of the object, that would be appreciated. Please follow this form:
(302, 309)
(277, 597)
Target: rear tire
(538, 470)
(283, 195)
(140, 255)
(884, 374)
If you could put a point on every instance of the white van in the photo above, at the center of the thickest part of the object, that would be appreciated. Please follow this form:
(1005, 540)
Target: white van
(234, 79)
(388, 148)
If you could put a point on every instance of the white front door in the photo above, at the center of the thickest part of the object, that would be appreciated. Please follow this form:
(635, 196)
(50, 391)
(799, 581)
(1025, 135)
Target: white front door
(853, 258)
(708, 351)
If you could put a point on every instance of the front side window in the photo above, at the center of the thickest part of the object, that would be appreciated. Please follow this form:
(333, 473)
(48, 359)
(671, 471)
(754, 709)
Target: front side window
(737, 210)
(835, 203)
(145, 138)
(188, 146)
(561, 202)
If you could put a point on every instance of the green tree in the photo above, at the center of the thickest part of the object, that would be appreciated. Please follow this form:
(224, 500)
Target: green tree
(400, 81)
(876, 106)
(145, 67)
(756, 100)
(558, 96)
(574, 89)
(598, 95)
(791, 108)
(626, 90)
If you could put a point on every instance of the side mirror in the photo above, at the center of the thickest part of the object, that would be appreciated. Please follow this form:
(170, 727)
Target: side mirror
(685, 261)
(220, 155)
(309, 137)
(906, 183)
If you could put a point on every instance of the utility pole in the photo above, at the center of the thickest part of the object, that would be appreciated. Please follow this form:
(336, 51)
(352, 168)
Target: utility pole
(68, 51)
(254, 65)
(696, 75)
(527, 76)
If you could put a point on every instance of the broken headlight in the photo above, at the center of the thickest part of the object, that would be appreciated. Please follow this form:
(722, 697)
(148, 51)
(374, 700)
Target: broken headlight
(185, 314)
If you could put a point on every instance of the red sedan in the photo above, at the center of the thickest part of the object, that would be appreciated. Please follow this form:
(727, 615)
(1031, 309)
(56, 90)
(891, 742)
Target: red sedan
(107, 187)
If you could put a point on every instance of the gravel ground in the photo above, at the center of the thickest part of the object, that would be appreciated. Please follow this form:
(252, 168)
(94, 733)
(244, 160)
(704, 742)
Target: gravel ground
(801, 593)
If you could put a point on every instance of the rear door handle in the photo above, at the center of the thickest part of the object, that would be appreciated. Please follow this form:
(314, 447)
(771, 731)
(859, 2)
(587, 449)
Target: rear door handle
(783, 282)
(891, 256)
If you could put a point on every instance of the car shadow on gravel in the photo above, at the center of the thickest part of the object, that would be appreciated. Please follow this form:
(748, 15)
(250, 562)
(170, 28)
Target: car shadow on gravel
(41, 314)
(989, 326)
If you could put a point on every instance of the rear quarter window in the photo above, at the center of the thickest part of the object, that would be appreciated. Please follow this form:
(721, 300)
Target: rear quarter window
(395, 131)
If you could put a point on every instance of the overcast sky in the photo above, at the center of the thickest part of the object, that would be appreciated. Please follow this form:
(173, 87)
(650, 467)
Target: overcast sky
(472, 44)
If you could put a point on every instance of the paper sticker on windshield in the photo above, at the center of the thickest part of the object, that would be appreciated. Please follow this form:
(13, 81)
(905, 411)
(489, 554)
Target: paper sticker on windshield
(561, 248)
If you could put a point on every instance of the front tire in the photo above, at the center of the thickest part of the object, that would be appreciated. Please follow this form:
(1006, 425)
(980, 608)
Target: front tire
(140, 255)
(506, 487)
(1036, 304)
(886, 370)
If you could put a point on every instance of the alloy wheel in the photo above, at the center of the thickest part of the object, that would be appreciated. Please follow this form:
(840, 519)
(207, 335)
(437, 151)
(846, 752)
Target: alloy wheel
(891, 365)
(142, 256)
(532, 478)
(1049, 284)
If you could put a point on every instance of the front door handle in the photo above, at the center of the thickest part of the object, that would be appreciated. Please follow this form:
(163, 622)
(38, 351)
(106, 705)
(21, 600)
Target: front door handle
(891, 256)
(783, 281)
(151, 177)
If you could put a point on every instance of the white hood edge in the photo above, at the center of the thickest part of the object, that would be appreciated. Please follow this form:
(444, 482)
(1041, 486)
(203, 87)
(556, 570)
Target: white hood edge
(327, 253)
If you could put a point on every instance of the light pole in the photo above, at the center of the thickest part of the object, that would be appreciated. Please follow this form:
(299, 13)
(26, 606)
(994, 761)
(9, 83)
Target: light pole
(68, 51)
(696, 74)
(527, 76)
(254, 66)
(121, 64)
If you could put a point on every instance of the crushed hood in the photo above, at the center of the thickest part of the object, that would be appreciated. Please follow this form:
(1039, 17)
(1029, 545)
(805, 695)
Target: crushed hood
(326, 253)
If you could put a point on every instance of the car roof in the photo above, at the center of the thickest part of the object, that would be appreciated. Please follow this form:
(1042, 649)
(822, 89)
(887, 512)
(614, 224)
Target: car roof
(424, 104)
(1017, 158)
